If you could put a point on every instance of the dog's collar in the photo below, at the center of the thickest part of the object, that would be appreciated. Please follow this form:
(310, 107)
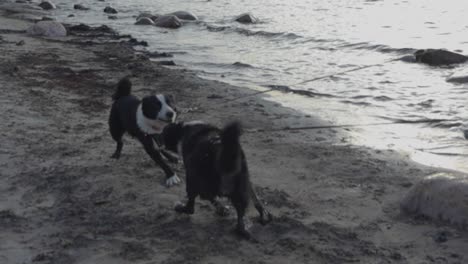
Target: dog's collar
(147, 125)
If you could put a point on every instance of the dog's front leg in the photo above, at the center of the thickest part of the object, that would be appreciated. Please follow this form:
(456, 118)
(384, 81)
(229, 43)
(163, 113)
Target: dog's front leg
(169, 156)
(118, 150)
(171, 177)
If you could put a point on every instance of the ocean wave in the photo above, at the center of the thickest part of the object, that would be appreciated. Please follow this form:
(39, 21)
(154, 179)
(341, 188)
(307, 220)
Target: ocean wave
(377, 47)
(432, 122)
(359, 103)
(235, 65)
(287, 89)
(249, 32)
(331, 44)
(383, 98)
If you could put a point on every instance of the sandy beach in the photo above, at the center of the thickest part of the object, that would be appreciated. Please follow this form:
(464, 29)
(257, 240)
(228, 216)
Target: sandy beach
(63, 200)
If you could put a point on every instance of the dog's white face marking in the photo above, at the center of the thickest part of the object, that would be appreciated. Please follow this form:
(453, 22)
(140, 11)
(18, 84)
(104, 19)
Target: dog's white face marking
(165, 108)
(173, 180)
(149, 126)
(156, 126)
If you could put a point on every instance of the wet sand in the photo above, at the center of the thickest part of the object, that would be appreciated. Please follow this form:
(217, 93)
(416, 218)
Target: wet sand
(63, 200)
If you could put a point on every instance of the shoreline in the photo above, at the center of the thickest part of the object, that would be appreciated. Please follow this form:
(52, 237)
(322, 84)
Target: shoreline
(64, 200)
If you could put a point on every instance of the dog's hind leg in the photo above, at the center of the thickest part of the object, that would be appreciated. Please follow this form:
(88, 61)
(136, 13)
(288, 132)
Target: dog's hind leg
(265, 216)
(189, 207)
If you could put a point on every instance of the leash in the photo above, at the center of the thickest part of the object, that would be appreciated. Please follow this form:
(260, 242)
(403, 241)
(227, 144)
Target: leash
(342, 72)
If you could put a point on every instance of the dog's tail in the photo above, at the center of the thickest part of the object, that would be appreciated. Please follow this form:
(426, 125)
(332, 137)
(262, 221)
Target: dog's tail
(124, 88)
(231, 156)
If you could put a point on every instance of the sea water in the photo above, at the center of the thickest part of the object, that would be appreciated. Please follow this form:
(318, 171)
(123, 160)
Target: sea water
(296, 41)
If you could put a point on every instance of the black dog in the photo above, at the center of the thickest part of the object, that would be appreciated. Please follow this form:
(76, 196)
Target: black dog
(143, 120)
(215, 166)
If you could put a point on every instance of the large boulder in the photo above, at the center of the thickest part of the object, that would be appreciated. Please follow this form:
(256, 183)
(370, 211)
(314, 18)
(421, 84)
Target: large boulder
(168, 22)
(110, 10)
(144, 21)
(246, 18)
(440, 197)
(47, 29)
(184, 15)
(438, 57)
(47, 5)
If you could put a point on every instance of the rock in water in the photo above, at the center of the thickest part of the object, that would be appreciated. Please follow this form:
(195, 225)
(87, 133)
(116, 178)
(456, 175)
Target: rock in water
(110, 10)
(47, 29)
(408, 58)
(47, 5)
(46, 18)
(144, 21)
(168, 22)
(80, 27)
(438, 57)
(246, 19)
(148, 15)
(459, 77)
(184, 15)
(442, 197)
(167, 63)
(80, 7)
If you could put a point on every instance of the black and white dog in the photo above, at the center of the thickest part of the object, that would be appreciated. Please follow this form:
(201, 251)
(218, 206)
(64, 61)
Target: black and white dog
(143, 120)
(215, 166)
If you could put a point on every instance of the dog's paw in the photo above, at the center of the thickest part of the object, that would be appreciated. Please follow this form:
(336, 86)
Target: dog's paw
(115, 156)
(181, 208)
(243, 233)
(173, 180)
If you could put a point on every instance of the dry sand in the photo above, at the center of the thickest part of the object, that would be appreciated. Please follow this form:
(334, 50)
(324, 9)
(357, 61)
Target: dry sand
(63, 200)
